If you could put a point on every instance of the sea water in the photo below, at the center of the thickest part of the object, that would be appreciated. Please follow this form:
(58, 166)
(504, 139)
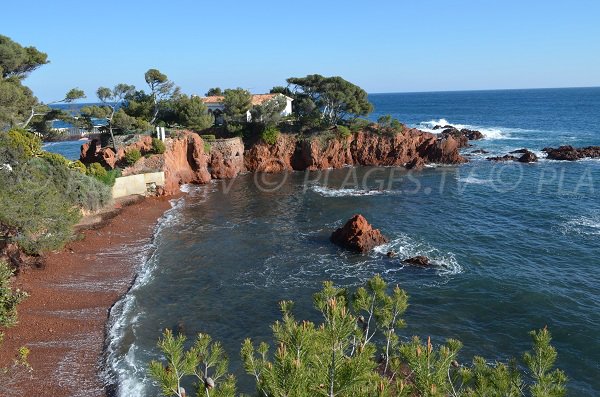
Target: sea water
(514, 247)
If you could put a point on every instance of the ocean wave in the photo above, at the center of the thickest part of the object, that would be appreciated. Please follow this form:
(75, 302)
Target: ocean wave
(471, 180)
(583, 225)
(331, 192)
(122, 367)
(347, 268)
(488, 132)
(444, 264)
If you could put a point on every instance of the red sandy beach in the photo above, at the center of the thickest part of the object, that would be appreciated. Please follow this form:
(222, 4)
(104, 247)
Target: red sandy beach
(63, 321)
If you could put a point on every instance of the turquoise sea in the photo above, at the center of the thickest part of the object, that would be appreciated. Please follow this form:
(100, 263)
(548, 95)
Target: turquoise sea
(516, 247)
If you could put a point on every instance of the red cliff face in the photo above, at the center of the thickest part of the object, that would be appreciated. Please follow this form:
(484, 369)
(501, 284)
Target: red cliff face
(413, 149)
(185, 159)
(226, 158)
(185, 162)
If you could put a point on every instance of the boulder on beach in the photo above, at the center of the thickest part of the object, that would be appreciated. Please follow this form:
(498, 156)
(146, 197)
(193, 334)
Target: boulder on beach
(358, 235)
(420, 260)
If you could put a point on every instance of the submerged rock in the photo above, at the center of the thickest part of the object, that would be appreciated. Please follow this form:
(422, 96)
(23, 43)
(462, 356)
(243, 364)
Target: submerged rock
(528, 157)
(358, 235)
(420, 260)
(506, 157)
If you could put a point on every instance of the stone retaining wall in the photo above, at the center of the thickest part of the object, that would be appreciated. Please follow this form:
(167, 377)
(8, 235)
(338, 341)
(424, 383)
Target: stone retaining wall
(138, 184)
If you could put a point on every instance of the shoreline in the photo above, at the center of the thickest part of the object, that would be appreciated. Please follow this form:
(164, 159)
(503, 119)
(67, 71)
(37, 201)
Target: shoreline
(65, 320)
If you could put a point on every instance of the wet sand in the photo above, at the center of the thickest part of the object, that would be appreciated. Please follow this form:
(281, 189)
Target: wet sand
(63, 321)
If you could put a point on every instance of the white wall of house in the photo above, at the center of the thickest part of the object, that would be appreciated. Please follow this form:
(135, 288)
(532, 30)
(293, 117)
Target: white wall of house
(288, 107)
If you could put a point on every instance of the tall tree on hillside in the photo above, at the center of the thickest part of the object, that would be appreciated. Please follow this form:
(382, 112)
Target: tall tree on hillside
(336, 98)
(237, 103)
(214, 92)
(112, 100)
(161, 89)
(18, 61)
(269, 112)
(193, 113)
(18, 105)
(42, 109)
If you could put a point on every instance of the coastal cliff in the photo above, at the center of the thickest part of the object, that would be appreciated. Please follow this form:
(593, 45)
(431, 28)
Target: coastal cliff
(190, 159)
(412, 148)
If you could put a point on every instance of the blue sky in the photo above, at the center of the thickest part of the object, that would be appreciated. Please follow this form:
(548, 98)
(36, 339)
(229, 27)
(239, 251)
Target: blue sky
(383, 46)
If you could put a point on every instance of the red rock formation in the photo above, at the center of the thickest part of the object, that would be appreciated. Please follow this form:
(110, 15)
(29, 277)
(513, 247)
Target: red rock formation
(412, 147)
(263, 157)
(358, 235)
(185, 162)
(226, 158)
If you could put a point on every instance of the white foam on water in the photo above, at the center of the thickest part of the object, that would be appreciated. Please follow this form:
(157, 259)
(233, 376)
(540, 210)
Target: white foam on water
(582, 225)
(443, 263)
(471, 180)
(122, 368)
(488, 132)
(343, 267)
(330, 192)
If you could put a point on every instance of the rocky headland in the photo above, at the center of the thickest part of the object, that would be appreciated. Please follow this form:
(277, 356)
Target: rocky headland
(189, 159)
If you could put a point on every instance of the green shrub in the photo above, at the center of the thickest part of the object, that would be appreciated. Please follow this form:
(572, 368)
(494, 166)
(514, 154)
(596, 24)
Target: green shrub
(18, 145)
(41, 200)
(9, 298)
(78, 166)
(355, 351)
(343, 131)
(158, 146)
(207, 147)
(90, 193)
(55, 159)
(132, 156)
(209, 137)
(270, 134)
(236, 129)
(100, 173)
(96, 170)
(33, 201)
(359, 124)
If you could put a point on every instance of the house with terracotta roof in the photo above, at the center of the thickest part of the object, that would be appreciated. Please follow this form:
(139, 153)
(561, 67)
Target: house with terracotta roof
(216, 105)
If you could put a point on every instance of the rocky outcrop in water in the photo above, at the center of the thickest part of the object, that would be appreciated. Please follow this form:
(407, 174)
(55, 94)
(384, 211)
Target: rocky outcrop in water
(570, 153)
(526, 157)
(358, 235)
(420, 260)
(412, 148)
(186, 159)
(463, 136)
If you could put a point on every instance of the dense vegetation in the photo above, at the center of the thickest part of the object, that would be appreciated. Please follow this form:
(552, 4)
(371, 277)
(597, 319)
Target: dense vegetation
(355, 351)
(42, 194)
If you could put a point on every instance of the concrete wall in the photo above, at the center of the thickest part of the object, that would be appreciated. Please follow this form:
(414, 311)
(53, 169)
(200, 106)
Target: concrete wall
(137, 184)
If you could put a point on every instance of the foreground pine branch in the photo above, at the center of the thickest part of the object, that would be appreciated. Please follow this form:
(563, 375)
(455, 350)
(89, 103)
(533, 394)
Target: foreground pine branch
(355, 352)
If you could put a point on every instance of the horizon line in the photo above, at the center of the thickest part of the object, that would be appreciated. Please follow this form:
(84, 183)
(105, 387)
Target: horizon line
(483, 90)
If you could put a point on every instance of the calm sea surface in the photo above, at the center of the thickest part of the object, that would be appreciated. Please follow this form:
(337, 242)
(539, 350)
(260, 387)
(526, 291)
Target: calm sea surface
(515, 247)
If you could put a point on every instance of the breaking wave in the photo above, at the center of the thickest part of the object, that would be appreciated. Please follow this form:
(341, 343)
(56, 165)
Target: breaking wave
(488, 132)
